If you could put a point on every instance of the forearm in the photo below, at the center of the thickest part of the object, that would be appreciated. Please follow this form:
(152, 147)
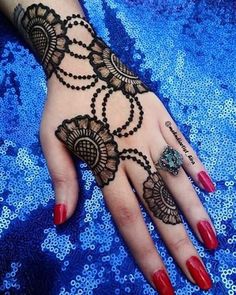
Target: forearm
(63, 8)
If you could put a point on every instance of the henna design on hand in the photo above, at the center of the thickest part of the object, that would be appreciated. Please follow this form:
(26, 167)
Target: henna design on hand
(48, 36)
(89, 138)
(110, 69)
(91, 141)
(46, 33)
(159, 199)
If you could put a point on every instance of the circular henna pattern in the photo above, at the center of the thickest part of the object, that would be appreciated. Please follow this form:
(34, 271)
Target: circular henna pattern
(110, 69)
(90, 141)
(47, 34)
(159, 200)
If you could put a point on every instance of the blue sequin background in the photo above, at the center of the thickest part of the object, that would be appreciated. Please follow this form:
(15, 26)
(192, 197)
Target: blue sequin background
(185, 50)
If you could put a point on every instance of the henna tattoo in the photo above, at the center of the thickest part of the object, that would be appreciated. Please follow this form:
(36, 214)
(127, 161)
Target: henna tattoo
(89, 138)
(45, 32)
(110, 69)
(179, 140)
(159, 199)
(155, 193)
(91, 141)
(49, 35)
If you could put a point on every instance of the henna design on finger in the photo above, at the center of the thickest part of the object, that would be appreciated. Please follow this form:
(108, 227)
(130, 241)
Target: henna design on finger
(159, 199)
(155, 192)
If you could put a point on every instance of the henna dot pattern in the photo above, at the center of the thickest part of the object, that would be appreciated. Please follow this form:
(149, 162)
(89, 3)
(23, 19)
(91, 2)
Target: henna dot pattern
(53, 38)
(90, 141)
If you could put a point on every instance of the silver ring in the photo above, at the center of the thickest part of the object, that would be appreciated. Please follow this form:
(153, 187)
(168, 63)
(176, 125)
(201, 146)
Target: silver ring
(170, 160)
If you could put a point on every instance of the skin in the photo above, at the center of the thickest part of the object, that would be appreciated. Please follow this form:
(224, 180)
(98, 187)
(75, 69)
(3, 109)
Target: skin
(151, 140)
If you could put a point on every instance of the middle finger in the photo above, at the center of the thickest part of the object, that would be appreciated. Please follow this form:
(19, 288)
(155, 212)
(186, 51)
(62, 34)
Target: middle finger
(160, 204)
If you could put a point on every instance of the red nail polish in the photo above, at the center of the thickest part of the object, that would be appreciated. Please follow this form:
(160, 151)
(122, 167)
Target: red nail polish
(162, 283)
(206, 182)
(59, 213)
(208, 235)
(199, 273)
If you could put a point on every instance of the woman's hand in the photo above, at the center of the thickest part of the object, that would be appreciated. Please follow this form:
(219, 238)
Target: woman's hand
(101, 112)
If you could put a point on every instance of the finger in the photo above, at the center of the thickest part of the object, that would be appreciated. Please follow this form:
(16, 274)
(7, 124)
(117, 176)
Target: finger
(192, 165)
(126, 212)
(160, 205)
(63, 173)
(187, 199)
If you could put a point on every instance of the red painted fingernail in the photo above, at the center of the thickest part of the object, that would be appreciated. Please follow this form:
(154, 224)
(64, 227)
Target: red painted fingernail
(199, 273)
(208, 235)
(162, 283)
(59, 213)
(206, 181)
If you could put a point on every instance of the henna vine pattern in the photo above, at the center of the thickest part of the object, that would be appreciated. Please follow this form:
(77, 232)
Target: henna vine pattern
(90, 138)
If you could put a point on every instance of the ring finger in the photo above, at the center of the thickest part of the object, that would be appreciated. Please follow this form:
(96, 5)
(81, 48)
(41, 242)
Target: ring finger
(186, 197)
(159, 203)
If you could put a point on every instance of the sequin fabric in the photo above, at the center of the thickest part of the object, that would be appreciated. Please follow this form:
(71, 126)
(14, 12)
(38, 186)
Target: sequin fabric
(185, 51)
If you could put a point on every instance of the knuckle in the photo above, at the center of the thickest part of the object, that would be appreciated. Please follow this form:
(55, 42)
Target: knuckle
(187, 163)
(126, 215)
(180, 243)
(62, 179)
(149, 252)
(194, 208)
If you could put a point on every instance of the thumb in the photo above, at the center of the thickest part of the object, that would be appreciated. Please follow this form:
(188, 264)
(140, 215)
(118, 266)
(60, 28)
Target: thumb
(63, 174)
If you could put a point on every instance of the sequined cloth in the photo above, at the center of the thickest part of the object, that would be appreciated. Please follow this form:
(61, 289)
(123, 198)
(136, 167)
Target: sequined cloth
(186, 52)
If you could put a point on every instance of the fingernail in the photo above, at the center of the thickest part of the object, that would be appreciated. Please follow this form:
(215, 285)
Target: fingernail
(162, 283)
(199, 273)
(208, 235)
(206, 181)
(59, 213)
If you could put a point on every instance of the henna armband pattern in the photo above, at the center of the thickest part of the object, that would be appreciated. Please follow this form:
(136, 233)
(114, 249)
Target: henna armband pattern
(45, 32)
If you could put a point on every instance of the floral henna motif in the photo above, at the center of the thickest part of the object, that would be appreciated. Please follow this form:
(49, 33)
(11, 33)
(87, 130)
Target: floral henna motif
(90, 141)
(110, 69)
(155, 193)
(159, 200)
(46, 33)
